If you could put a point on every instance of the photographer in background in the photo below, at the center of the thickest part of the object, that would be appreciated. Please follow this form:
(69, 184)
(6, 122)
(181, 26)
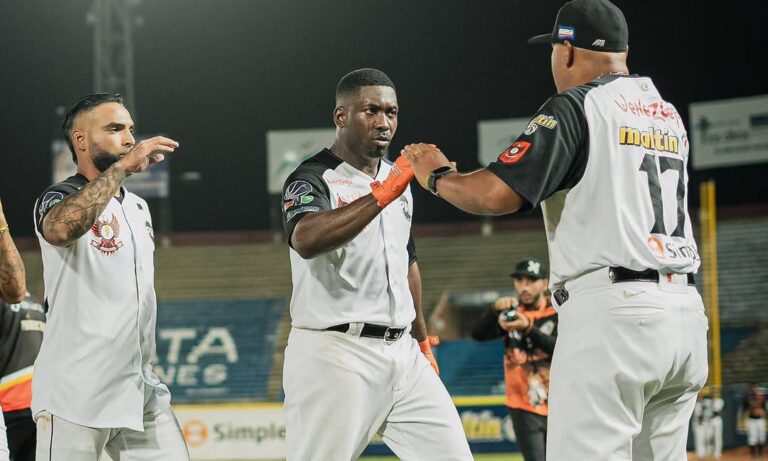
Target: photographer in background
(528, 325)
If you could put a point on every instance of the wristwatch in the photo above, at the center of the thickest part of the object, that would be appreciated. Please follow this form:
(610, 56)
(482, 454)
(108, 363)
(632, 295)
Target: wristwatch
(435, 175)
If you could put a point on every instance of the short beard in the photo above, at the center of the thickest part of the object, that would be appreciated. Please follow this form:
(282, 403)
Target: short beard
(533, 304)
(103, 160)
(380, 152)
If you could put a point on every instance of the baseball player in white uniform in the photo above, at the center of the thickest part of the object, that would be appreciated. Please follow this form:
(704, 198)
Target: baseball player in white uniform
(756, 408)
(358, 356)
(708, 424)
(699, 427)
(94, 390)
(606, 158)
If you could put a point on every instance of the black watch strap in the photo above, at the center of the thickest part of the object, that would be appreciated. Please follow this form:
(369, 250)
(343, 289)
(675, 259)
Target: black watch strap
(435, 175)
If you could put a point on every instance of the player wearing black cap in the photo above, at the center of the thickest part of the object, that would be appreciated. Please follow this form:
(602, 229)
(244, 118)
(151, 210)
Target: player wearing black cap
(606, 158)
(527, 323)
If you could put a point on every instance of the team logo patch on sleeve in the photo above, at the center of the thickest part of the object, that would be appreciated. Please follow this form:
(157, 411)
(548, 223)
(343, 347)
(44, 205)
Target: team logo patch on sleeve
(303, 200)
(49, 201)
(297, 193)
(515, 152)
(106, 232)
(296, 190)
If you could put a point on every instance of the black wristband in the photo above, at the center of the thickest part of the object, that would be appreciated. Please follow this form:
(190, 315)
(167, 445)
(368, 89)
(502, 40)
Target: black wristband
(435, 175)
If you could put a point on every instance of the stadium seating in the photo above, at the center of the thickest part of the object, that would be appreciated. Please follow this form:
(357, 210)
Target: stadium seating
(459, 263)
(469, 367)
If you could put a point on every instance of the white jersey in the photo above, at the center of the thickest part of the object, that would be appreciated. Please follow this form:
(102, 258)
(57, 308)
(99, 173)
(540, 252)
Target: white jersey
(342, 387)
(94, 366)
(365, 280)
(607, 160)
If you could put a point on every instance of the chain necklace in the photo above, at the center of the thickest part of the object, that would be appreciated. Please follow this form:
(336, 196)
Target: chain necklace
(611, 73)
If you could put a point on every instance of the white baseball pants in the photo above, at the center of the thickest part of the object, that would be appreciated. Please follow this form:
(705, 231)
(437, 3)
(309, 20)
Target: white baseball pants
(60, 440)
(629, 362)
(755, 431)
(341, 390)
(716, 436)
(700, 440)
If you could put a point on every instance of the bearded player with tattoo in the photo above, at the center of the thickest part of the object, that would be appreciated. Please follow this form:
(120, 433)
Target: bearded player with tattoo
(94, 390)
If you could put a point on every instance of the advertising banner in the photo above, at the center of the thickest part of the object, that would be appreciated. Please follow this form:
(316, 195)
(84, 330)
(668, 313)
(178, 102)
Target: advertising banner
(233, 432)
(729, 132)
(486, 422)
(228, 432)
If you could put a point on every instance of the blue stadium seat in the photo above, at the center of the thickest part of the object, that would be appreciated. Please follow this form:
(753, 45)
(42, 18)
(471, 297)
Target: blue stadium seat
(469, 367)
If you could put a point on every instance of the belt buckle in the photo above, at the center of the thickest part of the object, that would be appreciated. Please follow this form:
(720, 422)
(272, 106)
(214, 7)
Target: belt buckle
(393, 334)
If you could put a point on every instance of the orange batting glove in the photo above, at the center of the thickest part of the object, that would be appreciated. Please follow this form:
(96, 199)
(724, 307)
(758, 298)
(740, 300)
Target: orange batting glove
(395, 184)
(426, 349)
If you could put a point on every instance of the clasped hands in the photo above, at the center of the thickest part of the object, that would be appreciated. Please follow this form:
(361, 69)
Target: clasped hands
(418, 160)
(424, 159)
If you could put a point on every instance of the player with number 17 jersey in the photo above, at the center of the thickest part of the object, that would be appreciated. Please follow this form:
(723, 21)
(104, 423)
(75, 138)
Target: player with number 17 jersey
(606, 158)
(643, 147)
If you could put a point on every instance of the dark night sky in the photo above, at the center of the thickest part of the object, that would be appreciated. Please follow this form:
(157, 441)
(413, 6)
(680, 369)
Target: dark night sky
(217, 74)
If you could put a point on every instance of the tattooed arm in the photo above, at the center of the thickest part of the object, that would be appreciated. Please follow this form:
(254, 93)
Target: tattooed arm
(13, 283)
(72, 217)
(69, 219)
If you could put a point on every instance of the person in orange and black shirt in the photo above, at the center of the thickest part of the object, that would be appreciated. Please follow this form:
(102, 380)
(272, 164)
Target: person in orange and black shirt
(528, 325)
(21, 332)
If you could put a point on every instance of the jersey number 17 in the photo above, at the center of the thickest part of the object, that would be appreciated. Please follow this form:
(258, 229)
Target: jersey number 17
(652, 171)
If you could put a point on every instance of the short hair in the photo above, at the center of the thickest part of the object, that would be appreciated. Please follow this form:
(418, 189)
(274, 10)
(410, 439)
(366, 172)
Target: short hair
(85, 104)
(362, 77)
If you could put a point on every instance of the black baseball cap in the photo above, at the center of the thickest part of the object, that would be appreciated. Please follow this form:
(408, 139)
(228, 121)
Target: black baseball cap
(532, 268)
(596, 25)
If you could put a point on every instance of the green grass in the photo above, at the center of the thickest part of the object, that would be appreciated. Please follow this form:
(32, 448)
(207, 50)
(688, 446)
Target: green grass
(488, 457)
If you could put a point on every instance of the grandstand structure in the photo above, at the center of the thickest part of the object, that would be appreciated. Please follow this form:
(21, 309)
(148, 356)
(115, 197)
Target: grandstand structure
(225, 276)
(743, 272)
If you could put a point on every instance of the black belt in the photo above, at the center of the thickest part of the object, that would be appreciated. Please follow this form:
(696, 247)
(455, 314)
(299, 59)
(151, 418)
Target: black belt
(372, 331)
(622, 274)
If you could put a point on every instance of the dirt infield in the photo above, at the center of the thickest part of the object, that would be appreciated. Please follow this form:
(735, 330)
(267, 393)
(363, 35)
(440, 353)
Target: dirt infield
(737, 454)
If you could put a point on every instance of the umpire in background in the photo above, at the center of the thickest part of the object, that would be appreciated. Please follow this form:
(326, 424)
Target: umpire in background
(528, 325)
